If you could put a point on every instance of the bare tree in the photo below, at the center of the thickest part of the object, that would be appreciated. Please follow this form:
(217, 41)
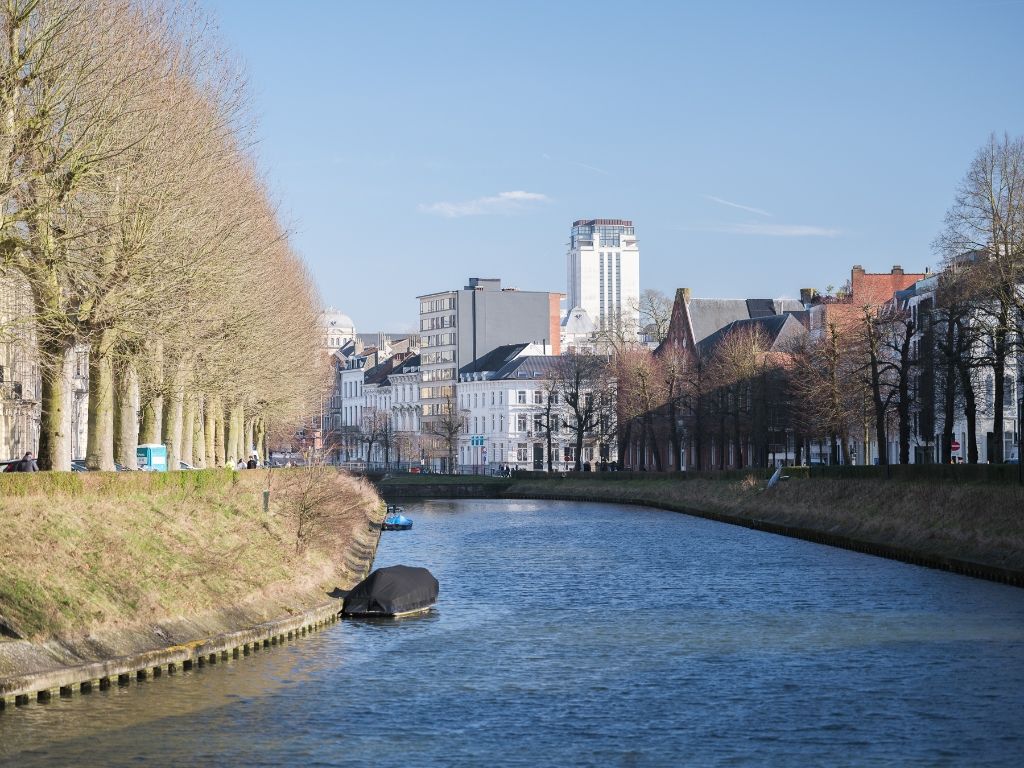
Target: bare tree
(984, 234)
(586, 387)
(446, 427)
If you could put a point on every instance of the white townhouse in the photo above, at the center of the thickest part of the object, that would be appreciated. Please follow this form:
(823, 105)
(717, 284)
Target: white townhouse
(405, 411)
(503, 398)
(348, 411)
(928, 426)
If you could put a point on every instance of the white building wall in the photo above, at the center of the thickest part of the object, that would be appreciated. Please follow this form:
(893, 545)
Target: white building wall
(603, 277)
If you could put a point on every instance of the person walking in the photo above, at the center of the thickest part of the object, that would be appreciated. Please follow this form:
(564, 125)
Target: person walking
(252, 463)
(26, 463)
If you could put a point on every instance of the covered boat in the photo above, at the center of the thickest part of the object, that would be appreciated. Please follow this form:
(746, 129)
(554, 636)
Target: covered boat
(398, 590)
(394, 520)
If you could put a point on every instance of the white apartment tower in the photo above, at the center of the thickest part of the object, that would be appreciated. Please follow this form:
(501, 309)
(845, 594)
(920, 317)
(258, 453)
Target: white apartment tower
(603, 272)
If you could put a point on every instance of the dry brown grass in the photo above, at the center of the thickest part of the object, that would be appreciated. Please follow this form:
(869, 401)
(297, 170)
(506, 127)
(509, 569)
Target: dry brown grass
(978, 522)
(116, 550)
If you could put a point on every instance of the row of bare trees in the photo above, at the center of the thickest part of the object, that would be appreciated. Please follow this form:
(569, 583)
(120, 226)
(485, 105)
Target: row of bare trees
(906, 370)
(133, 208)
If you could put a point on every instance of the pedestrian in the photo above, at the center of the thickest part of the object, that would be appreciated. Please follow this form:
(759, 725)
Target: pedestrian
(252, 464)
(28, 463)
(240, 465)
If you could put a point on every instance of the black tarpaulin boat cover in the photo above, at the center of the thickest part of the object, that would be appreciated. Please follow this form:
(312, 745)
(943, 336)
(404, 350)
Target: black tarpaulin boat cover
(391, 590)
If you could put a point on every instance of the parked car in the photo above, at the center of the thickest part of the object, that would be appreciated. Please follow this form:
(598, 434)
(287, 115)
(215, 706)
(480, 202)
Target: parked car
(78, 465)
(184, 465)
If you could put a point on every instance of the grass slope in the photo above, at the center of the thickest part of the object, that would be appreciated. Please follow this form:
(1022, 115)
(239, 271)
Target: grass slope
(82, 552)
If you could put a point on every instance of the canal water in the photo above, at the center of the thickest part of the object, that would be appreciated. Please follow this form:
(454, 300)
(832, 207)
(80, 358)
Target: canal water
(583, 634)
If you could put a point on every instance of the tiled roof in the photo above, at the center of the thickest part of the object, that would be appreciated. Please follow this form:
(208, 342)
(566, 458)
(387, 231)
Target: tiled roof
(529, 367)
(710, 315)
(777, 328)
(494, 359)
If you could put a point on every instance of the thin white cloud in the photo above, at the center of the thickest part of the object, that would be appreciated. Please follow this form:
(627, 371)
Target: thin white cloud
(720, 201)
(593, 168)
(766, 230)
(501, 203)
(782, 230)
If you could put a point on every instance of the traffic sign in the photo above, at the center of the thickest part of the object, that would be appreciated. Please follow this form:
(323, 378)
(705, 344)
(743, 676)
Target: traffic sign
(954, 446)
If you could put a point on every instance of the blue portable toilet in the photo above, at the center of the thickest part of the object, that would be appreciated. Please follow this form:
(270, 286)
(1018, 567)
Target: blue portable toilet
(152, 457)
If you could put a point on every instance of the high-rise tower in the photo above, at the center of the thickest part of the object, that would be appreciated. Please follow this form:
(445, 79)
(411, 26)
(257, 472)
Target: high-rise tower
(603, 271)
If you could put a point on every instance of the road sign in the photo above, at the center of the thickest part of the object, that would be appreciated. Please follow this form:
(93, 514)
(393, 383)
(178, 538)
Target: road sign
(954, 446)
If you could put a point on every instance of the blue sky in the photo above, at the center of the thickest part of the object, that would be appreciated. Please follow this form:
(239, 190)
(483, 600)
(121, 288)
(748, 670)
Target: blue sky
(759, 147)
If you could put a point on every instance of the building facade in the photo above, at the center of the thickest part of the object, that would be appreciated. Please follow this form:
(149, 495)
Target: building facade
(603, 272)
(458, 327)
(509, 404)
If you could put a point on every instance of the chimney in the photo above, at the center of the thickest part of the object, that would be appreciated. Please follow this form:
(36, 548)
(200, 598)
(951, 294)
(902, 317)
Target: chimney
(857, 271)
(897, 269)
(686, 294)
(807, 295)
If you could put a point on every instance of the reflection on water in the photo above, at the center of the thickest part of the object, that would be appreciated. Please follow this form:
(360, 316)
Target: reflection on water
(594, 635)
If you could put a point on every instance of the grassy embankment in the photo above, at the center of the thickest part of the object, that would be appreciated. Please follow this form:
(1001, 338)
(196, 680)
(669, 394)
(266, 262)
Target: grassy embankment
(973, 521)
(99, 552)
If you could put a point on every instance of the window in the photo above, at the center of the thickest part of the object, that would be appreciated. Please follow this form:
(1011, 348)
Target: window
(521, 397)
(492, 422)
(521, 452)
(538, 423)
(538, 397)
(521, 422)
(492, 398)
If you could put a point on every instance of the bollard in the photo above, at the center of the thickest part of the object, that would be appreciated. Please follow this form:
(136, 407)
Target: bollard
(266, 502)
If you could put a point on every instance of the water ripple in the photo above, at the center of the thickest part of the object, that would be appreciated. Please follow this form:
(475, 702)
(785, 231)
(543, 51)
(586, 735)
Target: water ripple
(575, 634)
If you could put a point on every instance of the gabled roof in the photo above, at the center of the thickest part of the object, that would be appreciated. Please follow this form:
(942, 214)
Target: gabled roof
(777, 328)
(577, 322)
(529, 367)
(379, 373)
(494, 359)
(413, 361)
(709, 315)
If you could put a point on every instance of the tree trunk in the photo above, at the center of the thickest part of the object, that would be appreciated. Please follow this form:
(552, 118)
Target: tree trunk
(99, 452)
(240, 452)
(211, 407)
(998, 371)
(152, 417)
(53, 438)
(948, 395)
(199, 434)
(260, 441)
(250, 433)
(172, 431)
(188, 427)
(970, 413)
(126, 418)
(219, 444)
(233, 437)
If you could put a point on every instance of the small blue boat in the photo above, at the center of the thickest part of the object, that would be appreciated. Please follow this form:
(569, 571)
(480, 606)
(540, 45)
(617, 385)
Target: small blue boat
(394, 520)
